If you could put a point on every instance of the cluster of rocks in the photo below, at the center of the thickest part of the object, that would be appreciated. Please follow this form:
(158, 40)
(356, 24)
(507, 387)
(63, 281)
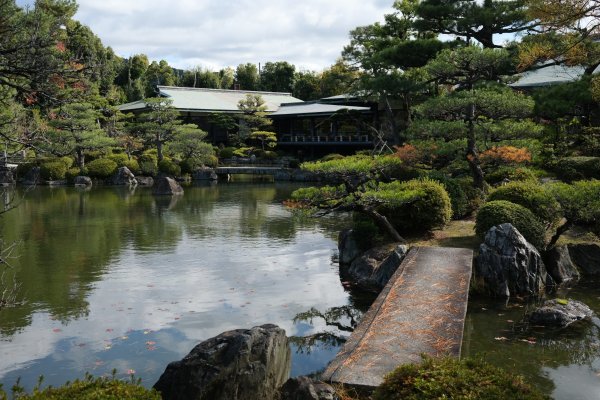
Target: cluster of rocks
(242, 364)
(369, 270)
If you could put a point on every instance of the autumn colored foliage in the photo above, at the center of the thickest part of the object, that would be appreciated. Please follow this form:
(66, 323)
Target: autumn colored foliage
(506, 155)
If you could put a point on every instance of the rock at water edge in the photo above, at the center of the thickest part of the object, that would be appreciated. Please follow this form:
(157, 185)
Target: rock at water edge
(560, 313)
(509, 265)
(167, 186)
(243, 364)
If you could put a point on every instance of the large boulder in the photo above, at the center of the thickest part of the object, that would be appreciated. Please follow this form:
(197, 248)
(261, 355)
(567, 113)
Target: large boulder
(304, 388)
(347, 246)
(166, 186)
(560, 266)
(205, 174)
(560, 313)
(374, 268)
(124, 176)
(508, 265)
(586, 257)
(243, 364)
(82, 181)
(6, 177)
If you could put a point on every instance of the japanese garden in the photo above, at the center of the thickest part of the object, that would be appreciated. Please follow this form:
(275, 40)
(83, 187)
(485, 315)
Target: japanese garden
(246, 232)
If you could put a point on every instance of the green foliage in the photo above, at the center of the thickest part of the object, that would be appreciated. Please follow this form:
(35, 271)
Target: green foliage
(510, 173)
(226, 152)
(148, 164)
(532, 196)
(72, 173)
(101, 168)
(501, 211)
(332, 156)
(363, 166)
(576, 168)
(265, 138)
(120, 158)
(428, 207)
(23, 169)
(67, 161)
(449, 378)
(133, 166)
(580, 202)
(53, 170)
(169, 167)
(458, 198)
(105, 388)
(366, 233)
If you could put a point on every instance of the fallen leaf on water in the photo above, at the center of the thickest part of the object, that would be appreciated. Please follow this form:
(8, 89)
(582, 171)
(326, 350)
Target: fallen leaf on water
(56, 330)
(130, 371)
(510, 321)
(150, 342)
(147, 331)
(483, 309)
(124, 337)
(528, 341)
(99, 363)
(107, 347)
(150, 348)
(500, 315)
(109, 329)
(502, 338)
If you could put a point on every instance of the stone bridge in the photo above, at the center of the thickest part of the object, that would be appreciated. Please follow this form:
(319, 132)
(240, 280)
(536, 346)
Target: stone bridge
(421, 310)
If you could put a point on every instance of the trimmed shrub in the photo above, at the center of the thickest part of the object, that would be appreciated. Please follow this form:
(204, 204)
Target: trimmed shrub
(577, 168)
(501, 211)
(148, 163)
(72, 173)
(332, 156)
(532, 196)
(67, 161)
(423, 204)
(90, 388)
(101, 168)
(211, 161)
(269, 155)
(226, 152)
(366, 233)
(53, 170)
(120, 159)
(169, 167)
(460, 202)
(449, 378)
(510, 173)
(133, 166)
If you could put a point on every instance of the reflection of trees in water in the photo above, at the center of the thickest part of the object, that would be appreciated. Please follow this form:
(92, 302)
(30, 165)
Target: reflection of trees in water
(500, 335)
(343, 319)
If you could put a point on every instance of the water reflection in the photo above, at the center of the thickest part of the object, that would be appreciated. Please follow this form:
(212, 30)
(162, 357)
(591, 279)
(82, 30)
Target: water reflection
(105, 268)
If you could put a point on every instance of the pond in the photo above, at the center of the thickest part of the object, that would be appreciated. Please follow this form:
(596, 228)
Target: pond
(114, 278)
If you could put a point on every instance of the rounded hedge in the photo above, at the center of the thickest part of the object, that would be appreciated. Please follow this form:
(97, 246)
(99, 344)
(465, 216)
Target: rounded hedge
(577, 168)
(226, 152)
(72, 173)
(499, 212)
(119, 158)
(509, 173)
(53, 170)
(148, 164)
(169, 167)
(458, 197)
(133, 166)
(101, 168)
(532, 196)
(429, 208)
(449, 378)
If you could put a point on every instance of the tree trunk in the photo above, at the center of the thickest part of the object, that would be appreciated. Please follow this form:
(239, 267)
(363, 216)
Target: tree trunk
(80, 158)
(390, 113)
(383, 224)
(472, 153)
(159, 154)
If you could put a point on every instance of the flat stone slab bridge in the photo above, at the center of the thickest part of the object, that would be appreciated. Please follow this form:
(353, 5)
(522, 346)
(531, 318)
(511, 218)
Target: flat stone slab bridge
(421, 310)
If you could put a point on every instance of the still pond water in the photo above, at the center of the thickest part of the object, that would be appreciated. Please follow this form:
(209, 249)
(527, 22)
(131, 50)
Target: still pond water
(119, 279)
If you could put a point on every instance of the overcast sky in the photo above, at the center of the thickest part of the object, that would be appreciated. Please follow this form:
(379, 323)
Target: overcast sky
(221, 33)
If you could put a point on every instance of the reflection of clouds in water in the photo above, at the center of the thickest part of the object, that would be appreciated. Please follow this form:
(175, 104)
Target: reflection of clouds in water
(574, 382)
(201, 288)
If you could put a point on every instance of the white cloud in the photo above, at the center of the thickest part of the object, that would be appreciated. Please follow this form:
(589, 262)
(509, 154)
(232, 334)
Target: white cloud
(216, 34)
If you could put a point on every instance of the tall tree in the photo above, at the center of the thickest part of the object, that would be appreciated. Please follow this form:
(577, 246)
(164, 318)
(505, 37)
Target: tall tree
(307, 85)
(254, 117)
(468, 69)
(158, 73)
(160, 125)
(246, 76)
(74, 130)
(277, 77)
(482, 21)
